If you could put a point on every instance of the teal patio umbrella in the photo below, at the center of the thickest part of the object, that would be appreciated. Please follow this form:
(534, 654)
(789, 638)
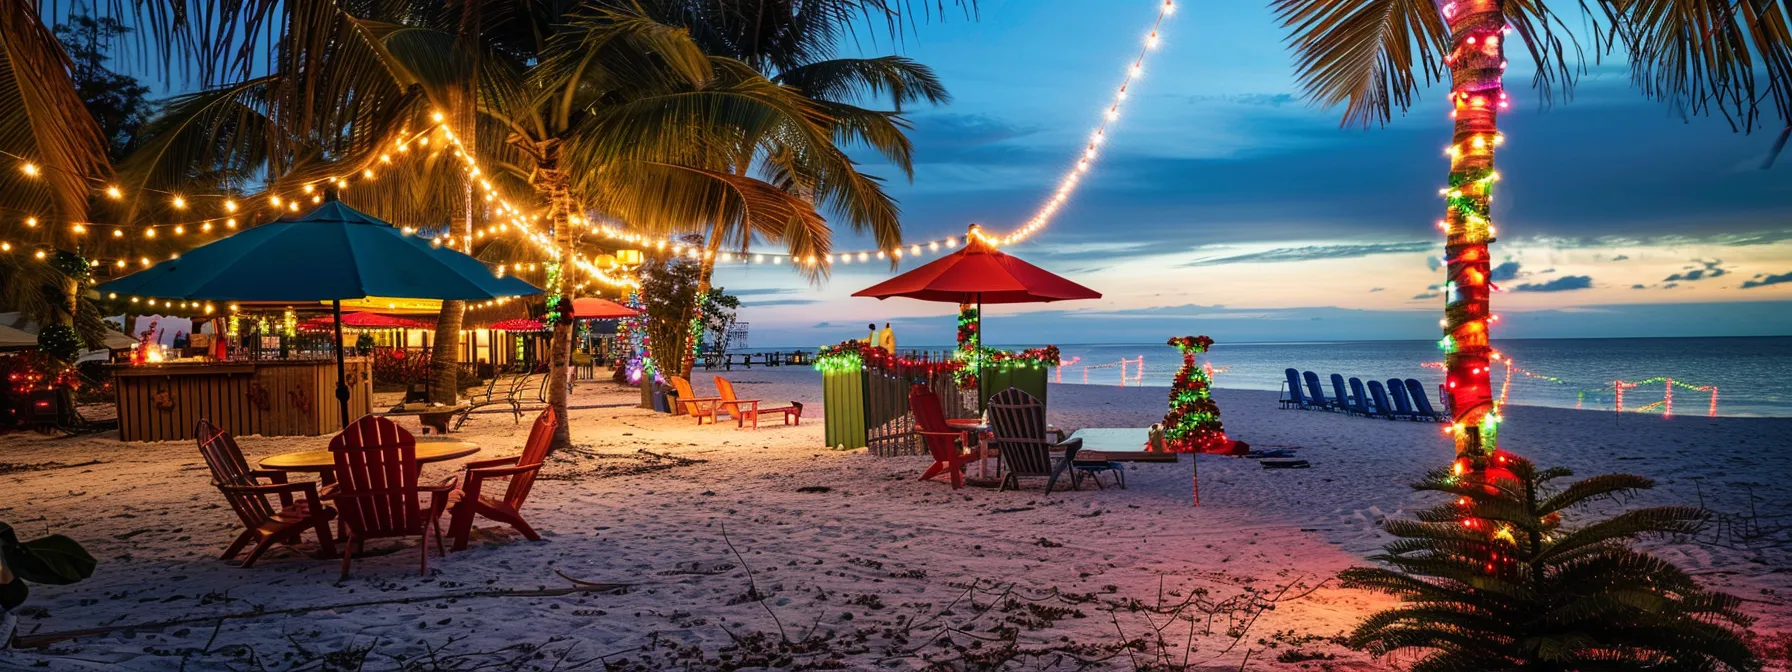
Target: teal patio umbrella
(333, 253)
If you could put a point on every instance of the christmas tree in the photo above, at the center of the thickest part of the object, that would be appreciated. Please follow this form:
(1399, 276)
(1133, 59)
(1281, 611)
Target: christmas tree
(1193, 423)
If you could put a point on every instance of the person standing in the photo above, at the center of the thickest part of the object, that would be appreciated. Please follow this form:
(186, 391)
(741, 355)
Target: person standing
(871, 340)
(887, 340)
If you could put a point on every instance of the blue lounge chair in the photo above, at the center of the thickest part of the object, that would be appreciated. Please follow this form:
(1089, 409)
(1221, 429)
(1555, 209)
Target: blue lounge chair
(1340, 400)
(1380, 394)
(1422, 405)
(1362, 405)
(1291, 391)
(1315, 393)
(1402, 407)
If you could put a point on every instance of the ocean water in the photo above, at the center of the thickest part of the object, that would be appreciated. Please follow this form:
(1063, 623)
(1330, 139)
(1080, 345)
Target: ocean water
(1753, 375)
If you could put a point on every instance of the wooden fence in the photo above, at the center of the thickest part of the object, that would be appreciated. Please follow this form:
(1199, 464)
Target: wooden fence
(868, 407)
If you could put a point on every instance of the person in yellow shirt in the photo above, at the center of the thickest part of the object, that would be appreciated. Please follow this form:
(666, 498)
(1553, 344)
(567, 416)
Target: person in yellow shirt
(872, 339)
(887, 339)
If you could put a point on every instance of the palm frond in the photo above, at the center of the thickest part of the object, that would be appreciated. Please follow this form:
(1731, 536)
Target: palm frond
(1367, 55)
(900, 80)
(44, 121)
(1726, 58)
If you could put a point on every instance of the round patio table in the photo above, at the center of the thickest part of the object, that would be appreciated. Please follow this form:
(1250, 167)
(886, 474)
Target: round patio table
(322, 463)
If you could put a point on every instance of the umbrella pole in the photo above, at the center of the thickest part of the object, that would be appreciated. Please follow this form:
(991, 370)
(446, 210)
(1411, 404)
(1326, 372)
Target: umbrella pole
(341, 375)
(982, 402)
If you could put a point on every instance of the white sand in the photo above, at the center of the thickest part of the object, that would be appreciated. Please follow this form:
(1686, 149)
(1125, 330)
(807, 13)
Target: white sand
(880, 572)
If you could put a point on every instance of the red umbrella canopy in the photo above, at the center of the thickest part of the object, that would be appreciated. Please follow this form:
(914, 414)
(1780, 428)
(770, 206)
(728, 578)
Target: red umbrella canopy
(980, 273)
(593, 308)
(364, 321)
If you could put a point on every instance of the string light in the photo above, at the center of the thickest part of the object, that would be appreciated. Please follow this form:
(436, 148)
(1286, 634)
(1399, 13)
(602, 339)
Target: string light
(1086, 158)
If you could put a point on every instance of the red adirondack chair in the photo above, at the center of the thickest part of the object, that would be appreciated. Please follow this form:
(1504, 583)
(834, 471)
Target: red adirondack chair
(946, 444)
(520, 470)
(265, 525)
(377, 493)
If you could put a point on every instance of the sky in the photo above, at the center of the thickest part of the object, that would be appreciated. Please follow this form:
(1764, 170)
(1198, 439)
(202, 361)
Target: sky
(1224, 204)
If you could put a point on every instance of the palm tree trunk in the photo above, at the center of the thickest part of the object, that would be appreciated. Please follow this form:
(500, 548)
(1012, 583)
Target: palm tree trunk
(553, 182)
(1477, 61)
(444, 356)
(705, 273)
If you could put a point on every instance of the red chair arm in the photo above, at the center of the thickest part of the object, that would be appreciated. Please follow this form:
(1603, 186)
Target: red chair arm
(501, 472)
(497, 462)
(284, 490)
(741, 401)
(694, 400)
(272, 488)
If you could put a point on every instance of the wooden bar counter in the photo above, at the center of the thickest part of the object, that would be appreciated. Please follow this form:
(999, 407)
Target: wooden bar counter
(162, 401)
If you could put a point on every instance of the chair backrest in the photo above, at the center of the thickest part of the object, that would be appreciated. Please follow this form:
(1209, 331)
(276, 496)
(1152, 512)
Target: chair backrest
(1017, 420)
(1362, 398)
(724, 389)
(541, 437)
(1419, 400)
(1294, 387)
(1313, 389)
(1397, 390)
(1380, 394)
(376, 476)
(683, 387)
(930, 417)
(1338, 391)
(229, 468)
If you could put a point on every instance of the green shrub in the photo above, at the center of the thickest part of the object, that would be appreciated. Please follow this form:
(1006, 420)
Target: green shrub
(1495, 581)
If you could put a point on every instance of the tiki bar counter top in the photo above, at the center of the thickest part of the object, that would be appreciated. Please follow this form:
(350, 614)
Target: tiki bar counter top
(161, 401)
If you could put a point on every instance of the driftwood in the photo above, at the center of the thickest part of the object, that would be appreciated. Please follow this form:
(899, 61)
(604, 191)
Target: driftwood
(38, 641)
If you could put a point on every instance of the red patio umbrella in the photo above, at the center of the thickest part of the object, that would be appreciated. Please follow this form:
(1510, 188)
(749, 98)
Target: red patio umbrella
(364, 321)
(979, 274)
(593, 308)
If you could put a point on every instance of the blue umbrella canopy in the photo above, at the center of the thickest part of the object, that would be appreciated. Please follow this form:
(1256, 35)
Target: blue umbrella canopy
(332, 253)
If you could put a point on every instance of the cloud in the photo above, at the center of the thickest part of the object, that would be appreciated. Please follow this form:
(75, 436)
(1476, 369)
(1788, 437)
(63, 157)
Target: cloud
(1706, 270)
(1260, 99)
(779, 302)
(1765, 280)
(1639, 286)
(823, 325)
(1373, 290)
(1670, 285)
(1434, 263)
(1426, 295)
(1621, 257)
(1561, 284)
(1505, 271)
(760, 291)
(1313, 252)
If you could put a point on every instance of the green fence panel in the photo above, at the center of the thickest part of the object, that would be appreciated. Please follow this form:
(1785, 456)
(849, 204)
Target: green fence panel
(843, 408)
(1030, 379)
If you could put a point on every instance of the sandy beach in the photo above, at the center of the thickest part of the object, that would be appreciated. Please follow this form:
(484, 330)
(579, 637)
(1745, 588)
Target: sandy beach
(725, 541)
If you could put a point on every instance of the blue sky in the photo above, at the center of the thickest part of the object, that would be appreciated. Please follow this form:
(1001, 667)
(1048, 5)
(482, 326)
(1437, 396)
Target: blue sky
(1224, 204)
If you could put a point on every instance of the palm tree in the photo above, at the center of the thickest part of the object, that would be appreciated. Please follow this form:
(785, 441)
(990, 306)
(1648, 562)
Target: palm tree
(793, 44)
(1515, 588)
(1370, 55)
(55, 151)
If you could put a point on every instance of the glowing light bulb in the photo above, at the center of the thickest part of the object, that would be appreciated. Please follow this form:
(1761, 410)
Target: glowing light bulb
(114, 193)
(30, 169)
(178, 202)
